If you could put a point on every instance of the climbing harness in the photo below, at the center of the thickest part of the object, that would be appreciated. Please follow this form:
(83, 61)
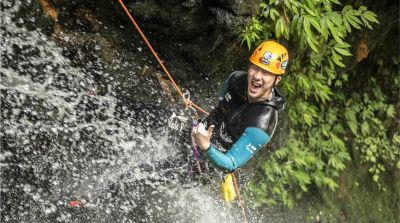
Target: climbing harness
(188, 103)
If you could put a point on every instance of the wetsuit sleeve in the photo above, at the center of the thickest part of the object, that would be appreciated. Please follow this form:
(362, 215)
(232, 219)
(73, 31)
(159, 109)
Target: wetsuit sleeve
(244, 148)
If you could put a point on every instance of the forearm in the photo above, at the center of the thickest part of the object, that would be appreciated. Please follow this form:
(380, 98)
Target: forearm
(244, 148)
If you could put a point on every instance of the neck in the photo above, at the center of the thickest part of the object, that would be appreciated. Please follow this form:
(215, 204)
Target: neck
(268, 96)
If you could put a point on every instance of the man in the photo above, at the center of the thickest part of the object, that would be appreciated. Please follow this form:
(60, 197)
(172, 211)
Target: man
(247, 113)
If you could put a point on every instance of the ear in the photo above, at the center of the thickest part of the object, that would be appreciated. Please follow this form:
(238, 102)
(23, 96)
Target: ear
(278, 79)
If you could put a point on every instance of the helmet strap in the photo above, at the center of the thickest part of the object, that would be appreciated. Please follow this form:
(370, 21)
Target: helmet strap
(276, 77)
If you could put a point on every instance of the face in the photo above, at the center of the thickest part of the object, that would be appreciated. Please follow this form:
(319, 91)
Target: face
(260, 83)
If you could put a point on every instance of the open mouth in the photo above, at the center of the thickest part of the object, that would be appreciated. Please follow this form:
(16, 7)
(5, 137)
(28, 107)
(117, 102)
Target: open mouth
(254, 86)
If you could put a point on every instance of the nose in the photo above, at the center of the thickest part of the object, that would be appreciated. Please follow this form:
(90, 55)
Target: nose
(257, 75)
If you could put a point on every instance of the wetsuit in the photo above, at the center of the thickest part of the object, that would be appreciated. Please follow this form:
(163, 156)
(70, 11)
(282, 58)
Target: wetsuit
(242, 127)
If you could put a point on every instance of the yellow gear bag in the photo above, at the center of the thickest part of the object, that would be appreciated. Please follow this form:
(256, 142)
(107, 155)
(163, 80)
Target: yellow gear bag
(227, 188)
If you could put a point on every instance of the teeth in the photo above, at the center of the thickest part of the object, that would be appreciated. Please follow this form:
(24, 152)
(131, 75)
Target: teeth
(255, 84)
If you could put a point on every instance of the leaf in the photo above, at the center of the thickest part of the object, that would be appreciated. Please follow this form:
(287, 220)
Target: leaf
(390, 111)
(314, 23)
(248, 41)
(342, 51)
(299, 161)
(356, 19)
(295, 8)
(336, 163)
(278, 27)
(347, 26)
(307, 29)
(365, 128)
(304, 81)
(347, 8)
(352, 20)
(312, 44)
(366, 22)
(336, 18)
(287, 4)
(302, 177)
(333, 31)
(370, 16)
(336, 2)
(310, 35)
(330, 183)
(362, 8)
(324, 29)
(273, 13)
(299, 27)
(310, 159)
(337, 59)
(353, 127)
(282, 25)
(307, 119)
(310, 11)
(294, 22)
(337, 142)
(280, 153)
(343, 45)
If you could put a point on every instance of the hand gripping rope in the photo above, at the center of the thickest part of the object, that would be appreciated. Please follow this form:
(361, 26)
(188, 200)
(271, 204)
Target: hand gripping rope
(195, 117)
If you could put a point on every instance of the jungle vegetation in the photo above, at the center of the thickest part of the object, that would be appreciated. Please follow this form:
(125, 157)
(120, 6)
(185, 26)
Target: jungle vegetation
(339, 117)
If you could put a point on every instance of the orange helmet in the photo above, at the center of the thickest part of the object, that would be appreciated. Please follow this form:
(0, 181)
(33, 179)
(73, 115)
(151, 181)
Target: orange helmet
(271, 56)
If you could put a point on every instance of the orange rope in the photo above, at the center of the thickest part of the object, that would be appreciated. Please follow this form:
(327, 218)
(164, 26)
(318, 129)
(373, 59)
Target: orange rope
(156, 56)
(240, 199)
(178, 90)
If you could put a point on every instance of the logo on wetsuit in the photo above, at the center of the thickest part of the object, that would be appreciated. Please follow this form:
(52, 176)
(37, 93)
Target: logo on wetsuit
(252, 149)
(228, 97)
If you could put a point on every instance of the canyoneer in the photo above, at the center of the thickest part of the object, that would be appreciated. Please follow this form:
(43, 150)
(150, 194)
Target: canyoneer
(247, 113)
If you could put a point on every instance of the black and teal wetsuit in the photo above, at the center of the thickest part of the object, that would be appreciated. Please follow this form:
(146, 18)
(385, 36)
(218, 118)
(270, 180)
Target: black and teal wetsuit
(242, 127)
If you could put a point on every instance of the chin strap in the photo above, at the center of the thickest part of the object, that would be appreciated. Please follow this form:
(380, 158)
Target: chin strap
(276, 77)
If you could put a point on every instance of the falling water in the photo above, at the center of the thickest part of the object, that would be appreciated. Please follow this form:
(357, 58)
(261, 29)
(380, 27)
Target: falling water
(63, 140)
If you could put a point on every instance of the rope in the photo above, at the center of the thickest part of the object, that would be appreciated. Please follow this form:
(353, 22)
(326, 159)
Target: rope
(239, 198)
(189, 103)
(157, 58)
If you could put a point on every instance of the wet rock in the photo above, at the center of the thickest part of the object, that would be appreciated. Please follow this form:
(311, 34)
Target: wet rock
(239, 7)
(204, 32)
(185, 20)
(228, 21)
(192, 17)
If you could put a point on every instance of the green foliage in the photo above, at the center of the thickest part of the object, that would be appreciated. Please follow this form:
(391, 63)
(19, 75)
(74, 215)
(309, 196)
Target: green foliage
(330, 122)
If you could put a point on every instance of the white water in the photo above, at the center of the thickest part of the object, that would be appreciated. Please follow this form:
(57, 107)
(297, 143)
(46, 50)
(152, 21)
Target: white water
(60, 143)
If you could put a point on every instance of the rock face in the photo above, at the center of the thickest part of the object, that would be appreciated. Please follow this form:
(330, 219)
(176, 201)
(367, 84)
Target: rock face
(189, 19)
(195, 38)
(205, 32)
